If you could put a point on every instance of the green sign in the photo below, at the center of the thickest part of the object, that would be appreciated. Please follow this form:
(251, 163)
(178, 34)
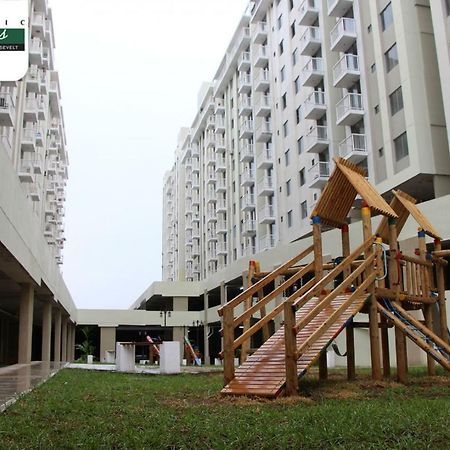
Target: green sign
(12, 39)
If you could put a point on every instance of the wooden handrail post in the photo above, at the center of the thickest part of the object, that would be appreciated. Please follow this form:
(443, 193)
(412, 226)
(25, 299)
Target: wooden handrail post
(228, 341)
(349, 331)
(427, 309)
(394, 285)
(373, 311)
(246, 283)
(318, 271)
(440, 281)
(290, 342)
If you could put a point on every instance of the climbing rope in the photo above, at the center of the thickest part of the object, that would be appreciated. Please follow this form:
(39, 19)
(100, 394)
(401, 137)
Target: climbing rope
(335, 347)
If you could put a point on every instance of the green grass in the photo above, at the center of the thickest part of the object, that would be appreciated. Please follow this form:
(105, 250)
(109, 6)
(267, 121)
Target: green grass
(84, 409)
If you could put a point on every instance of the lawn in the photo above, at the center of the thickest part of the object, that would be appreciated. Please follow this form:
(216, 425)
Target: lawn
(84, 409)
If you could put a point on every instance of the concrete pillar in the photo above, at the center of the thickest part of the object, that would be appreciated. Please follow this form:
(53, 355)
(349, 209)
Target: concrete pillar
(46, 331)
(69, 342)
(72, 343)
(205, 328)
(223, 300)
(178, 335)
(57, 338)
(107, 341)
(64, 340)
(26, 323)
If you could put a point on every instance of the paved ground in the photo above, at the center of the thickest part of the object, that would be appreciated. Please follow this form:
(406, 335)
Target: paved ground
(19, 379)
(153, 370)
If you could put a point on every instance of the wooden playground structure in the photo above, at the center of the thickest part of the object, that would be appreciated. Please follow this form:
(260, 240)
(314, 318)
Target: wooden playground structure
(322, 298)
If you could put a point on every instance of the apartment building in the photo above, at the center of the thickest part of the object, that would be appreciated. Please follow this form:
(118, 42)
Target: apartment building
(303, 82)
(36, 309)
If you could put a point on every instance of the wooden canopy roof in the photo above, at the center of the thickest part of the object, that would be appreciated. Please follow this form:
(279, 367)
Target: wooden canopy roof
(405, 205)
(345, 183)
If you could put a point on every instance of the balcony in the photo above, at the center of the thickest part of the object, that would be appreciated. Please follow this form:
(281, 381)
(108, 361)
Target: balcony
(32, 80)
(247, 153)
(35, 192)
(346, 72)
(245, 83)
(210, 177)
(264, 131)
(220, 124)
(267, 242)
(353, 148)
(248, 178)
(244, 62)
(319, 174)
(42, 108)
(210, 158)
(35, 52)
(221, 164)
(266, 185)
(246, 129)
(28, 142)
(219, 107)
(211, 123)
(249, 227)
(266, 215)
(343, 35)
(220, 144)
(260, 34)
(210, 139)
(312, 72)
(221, 205)
(317, 139)
(30, 112)
(7, 110)
(315, 106)
(53, 146)
(40, 137)
(349, 109)
(44, 82)
(212, 254)
(222, 248)
(337, 8)
(248, 202)
(195, 164)
(308, 12)
(265, 158)
(221, 227)
(245, 105)
(262, 56)
(211, 216)
(310, 41)
(26, 170)
(264, 106)
(38, 23)
(211, 196)
(262, 80)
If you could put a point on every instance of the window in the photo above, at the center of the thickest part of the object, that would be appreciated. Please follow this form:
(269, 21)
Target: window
(300, 145)
(297, 84)
(380, 152)
(288, 188)
(386, 17)
(284, 101)
(373, 67)
(282, 73)
(301, 177)
(396, 101)
(285, 128)
(291, 4)
(295, 57)
(281, 47)
(303, 210)
(287, 157)
(280, 21)
(447, 4)
(369, 28)
(298, 114)
(401, 147)
(289, 218)
(391, 57)
(293, 30)
(377, 109)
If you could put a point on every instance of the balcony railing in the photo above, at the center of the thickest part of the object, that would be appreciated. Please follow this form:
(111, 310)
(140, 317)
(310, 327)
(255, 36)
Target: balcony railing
(266, 214)
(309, 11)
(353, 148)
(337, 8)
(248, 201)
(343, 35)
(312, 72)
(346, 72)
(310, 41)
(315, 105)
(247, 152)
(319, 174)
(349, 109)
(244, 61)
(267, 242)
(317, 139)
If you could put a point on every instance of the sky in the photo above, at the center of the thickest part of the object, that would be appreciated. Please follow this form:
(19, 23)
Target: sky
(130, 72)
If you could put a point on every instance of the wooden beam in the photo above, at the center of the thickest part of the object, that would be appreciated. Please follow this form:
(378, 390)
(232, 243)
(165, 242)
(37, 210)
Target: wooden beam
(440, 281)
(350, 339)
(228, 339)
(290, 342)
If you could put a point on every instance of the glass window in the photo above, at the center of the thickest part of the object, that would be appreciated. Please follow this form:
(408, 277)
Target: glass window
(297, 84)
(285, 129)
(281, 47)
(447, 4)
(401, 147)
(280, 21)
(289, 218)
(287, 157)
(282, 73)
(301, 177)
(300, 145)
(283, 101)
(298, 114)
(391, 57)
(294, 57)
(386, 17)
(293, 30)
(303, 210)
(288, 188)
(396, 101)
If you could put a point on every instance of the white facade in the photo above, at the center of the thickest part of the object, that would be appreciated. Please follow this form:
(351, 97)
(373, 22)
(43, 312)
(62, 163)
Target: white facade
(303, 82)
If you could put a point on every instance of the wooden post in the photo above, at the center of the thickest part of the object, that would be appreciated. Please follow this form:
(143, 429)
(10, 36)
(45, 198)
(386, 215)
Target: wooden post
(384, 330)
(427, 309)
(394, 285)
(373, 311)
(228, 341)
(440, 281)
(349, 331)
(246, 283)
(318, 271)
(290, 349)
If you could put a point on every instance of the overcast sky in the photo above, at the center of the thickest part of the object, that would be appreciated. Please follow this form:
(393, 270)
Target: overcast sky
(130, 72)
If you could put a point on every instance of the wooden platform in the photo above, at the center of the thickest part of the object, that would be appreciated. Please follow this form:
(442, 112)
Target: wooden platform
(263, 374)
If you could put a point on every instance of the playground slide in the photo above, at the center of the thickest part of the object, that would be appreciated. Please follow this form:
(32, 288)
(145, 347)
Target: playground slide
(154, 346)
(263, 374)
(417, 332)
(195, 358)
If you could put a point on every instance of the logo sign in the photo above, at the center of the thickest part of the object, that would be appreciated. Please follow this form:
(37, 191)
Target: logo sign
(14, 35)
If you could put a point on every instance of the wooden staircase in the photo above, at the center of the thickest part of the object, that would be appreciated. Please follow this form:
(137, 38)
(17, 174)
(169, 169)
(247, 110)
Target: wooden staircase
(264, 373)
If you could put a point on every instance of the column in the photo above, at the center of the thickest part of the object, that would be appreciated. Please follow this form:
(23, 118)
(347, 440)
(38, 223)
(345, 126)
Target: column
(205, 329)
(57, 338)
(69, 342)
(178, 335)
(107, 341)
(64, 340)
(46, 331)
(26, 323)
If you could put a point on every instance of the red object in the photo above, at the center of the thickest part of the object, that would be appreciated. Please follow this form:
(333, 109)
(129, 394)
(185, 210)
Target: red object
(155, 347)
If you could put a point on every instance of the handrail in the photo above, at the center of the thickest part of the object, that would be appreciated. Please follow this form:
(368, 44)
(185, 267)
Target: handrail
(333, 294)
(336, 271)
(264, 281)
(414, 260)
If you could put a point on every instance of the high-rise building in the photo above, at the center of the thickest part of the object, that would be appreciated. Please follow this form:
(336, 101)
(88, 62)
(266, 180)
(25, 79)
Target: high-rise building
(303, 82)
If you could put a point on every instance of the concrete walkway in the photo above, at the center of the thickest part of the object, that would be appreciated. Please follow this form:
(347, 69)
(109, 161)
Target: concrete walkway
(19, 379)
